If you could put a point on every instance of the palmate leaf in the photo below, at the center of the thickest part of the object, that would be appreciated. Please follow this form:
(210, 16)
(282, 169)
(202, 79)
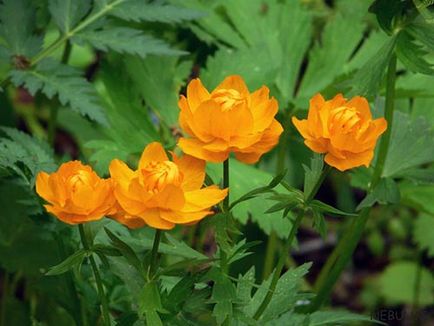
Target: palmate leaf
(67, 13)
(416, 136)
(339, 39)
(53, 78)
(18, 148)
(17, 23)
(125, 40)
(367, 79)
(412, 54)
(138, 10)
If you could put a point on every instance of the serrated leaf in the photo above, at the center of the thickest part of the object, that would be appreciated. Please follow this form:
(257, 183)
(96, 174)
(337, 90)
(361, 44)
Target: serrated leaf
(75, 259)
(285, 294)
(312, 173)
(125, 40)
(53, 78)
(367, 79)
(150, 304)
(323, 207)
(17, 23)
(339, 39)
(244, 178)
(159, 80)
(137, 10)
(423, 233)
(418, 196)
(423, 32)
(19, 147)
(319, 223)
(385, 192)
(416, 136)
(412, 54)
(67, 13)
(126, 250)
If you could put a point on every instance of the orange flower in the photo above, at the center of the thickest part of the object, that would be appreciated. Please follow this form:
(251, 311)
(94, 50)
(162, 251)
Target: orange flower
(162, 193)
(75, 193)
(229, 119)
(342, 129)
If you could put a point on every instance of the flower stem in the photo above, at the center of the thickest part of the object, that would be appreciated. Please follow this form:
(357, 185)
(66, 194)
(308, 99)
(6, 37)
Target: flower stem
(102, 297)
(348, 243)
(154, 253)
(287, 246)
(223, 256)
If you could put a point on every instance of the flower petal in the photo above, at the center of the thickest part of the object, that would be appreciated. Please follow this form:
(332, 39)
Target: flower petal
(153, 152)
(201, 199)
(153, 218)
(234, 82)
(195, 147)
(193, 170)
(350, 161)
(196, 94)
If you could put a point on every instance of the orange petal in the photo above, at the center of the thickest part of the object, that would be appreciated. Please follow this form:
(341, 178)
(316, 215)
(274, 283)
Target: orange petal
(196, 94)
(121, 173)
(127, 202)
(263, 109)
(153, 152)
(210, 121)
(302, 127)
(350, 161)
(185, 116)
(193, 170)
(234, 82)
(153, 218)
(43, 189)
(248, 158)
(184, 218)
(130, 221)
(171, 197)
(362, 106)
(201, 199)
(317, 145)
(195, 147)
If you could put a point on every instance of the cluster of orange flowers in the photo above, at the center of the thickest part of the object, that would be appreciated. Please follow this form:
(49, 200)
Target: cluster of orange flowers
(162, 192)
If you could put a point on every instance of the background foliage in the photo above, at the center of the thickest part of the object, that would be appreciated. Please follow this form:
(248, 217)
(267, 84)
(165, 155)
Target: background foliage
(110, 73)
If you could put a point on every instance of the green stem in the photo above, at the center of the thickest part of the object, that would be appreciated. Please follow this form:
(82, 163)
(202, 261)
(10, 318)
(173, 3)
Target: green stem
(102, 297)
(348, 243)
(154, 254)
(223, 256)
(70, 285)
(270, 255)
(226, 185)
(4, 298)
(287, 247)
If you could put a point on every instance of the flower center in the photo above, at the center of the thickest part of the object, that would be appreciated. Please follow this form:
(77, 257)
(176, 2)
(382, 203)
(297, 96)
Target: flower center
(79, 179)
(156, 175)
(227, 98)
(345, 118)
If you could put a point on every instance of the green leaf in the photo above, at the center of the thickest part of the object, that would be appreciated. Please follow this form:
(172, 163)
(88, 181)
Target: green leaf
(244, 178)
(126, 251)
(18, 148)
(223, 295)
(423, 32)
(385, 192)
(337, 317)
(285, 295)
(150, 304)
(53, 78)
(67, 13)
(312, 173)
(319, 223)
(339, 39)
(17, 23)
(137, 11)
(258, 191)
(397, 283)
(367, 79)
(69, 263)
(256, 65)
(325, 208)
(125, 40)
(423, 233)
(386, 11)
(417, 196)
(412, 54)
(416, 136)
(159, 80)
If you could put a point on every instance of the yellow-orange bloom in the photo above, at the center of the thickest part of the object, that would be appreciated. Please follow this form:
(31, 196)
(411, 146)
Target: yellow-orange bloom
(342, 129)
(229, 119)
(75, 193)
(162, 193)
